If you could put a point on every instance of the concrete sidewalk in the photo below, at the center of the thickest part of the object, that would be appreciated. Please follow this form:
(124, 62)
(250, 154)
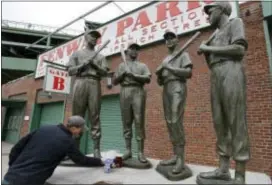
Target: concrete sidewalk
(82, 175)
(6, 147)
(79, 175)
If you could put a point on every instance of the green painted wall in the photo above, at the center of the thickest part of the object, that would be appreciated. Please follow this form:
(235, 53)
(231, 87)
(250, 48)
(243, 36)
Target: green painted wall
(21, 64)
(267, 8)
(35, 117)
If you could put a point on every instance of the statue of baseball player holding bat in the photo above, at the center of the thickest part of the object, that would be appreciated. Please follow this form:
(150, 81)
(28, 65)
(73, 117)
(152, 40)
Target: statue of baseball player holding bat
(172, 74)
(132, 75)
(89, 67)
(224, 54)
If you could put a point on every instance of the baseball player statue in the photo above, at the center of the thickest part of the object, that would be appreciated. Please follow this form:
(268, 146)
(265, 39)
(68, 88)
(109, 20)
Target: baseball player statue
(132, 75)
(87, 87)
(224, 54)
(173, 76)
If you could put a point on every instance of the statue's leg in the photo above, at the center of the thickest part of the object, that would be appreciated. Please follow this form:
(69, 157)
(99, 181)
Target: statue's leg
(127, 119)
(234, 100)
(166, 97)
(223, 144)
(178, 100)
(94, 105)
(79, 101)
(138, 106)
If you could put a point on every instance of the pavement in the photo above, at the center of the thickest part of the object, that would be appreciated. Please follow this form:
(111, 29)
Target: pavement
(83, 175)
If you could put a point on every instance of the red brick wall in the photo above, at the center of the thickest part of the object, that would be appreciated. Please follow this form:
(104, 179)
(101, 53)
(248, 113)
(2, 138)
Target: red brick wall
(200, 137)
(31, 87)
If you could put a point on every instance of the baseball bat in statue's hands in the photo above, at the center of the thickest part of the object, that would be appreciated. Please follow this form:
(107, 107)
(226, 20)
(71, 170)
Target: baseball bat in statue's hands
(199, 52)
(181, 50)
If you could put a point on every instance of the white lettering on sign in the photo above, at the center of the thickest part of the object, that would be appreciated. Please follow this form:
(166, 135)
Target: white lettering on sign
(57, 80)
(144, 26)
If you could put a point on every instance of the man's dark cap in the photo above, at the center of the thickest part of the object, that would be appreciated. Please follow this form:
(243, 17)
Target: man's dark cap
(76, 121)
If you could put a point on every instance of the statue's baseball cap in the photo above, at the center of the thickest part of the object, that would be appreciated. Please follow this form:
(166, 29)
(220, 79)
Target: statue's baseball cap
(93, 33)
(133, 44)
(226, 7)
(169, 32)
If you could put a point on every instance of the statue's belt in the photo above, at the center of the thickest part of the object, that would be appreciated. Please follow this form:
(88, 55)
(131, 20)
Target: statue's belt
(131, 85)
(219, 62)
(181, 80)
(89, 77)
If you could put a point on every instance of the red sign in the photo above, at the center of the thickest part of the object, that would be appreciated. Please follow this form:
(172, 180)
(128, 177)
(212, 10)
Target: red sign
(147, 25)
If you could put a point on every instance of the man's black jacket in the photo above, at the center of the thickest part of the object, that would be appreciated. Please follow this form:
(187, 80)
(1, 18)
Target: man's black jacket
(34, 158)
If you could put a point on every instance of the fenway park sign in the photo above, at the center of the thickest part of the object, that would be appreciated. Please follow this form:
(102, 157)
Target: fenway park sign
(144, 26)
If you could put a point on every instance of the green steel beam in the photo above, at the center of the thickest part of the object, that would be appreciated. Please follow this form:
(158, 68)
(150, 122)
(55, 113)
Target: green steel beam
(267, 8)
(10, 43)
(268, 43)
(35, 33)
(12, 102)
(21, 64)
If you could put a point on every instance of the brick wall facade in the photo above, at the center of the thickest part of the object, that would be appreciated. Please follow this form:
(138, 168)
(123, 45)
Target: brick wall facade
(200, 136)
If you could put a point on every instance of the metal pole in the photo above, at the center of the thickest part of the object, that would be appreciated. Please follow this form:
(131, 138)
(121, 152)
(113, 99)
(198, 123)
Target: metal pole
(80, 17)
(118, 7)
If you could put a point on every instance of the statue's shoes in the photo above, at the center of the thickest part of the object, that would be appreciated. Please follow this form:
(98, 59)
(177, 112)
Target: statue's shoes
(168, 162)
(216, 174)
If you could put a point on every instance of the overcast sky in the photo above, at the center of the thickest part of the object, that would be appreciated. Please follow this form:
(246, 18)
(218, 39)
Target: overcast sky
(57, 14)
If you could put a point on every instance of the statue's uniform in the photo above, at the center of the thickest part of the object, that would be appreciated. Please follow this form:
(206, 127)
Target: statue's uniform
(132, 101)
(87, 90)
(174, 98)
(228, 94)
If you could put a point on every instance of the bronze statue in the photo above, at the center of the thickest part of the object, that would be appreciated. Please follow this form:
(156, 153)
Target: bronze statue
(132, 75)
(224, 53)
(87, 87)
(173, 76)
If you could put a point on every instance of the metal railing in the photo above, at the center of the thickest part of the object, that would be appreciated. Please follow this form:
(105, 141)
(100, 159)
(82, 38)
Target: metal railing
(38, 27)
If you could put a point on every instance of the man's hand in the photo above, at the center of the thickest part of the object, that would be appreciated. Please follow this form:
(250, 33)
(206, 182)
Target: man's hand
(118, 162)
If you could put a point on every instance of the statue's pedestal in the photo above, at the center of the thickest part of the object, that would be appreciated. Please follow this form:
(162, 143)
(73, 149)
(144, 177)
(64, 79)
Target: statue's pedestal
(200, 180)
(135, 163)
(166, 171)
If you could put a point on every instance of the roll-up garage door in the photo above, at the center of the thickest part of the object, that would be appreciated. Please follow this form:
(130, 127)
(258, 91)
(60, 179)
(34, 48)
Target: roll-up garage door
(13, 124)
(111, 125)
(51, 113)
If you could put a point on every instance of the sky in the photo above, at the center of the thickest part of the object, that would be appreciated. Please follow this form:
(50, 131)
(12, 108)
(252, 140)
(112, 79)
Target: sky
(57, 14)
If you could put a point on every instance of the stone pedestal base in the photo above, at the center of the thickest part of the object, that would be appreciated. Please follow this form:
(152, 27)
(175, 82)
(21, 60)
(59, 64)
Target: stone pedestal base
(200, 180)
(135, 163)
(166, 171)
